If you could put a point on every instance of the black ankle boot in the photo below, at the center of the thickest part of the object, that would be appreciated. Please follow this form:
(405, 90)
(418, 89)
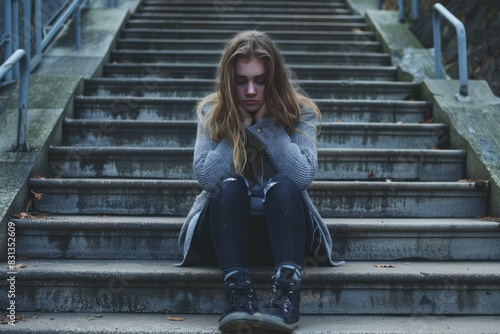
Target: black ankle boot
(242, 304)
(281, 313)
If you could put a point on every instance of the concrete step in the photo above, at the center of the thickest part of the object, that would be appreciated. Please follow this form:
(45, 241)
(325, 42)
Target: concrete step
(262, 4)
(143, 108)
(145, 323)
(354, 56)
(198, 88)
(358, 288)
(156, 238)
(241, 9)
(332, 198)
(325, 17)
(237, 25)
(221, 34)
(207, 71)
(333, 164)
(139, 133)
(163, 44)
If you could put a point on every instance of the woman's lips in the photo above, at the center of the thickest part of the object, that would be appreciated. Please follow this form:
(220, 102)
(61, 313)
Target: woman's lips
(250, 101)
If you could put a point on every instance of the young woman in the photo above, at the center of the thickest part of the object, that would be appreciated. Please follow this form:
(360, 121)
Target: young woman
(255, 156)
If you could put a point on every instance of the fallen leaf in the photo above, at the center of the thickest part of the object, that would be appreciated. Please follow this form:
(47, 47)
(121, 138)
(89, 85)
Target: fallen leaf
(339, 121)
(20, 266)
(31, 215)
(384, 266)
(37, 195)
(371, 175)
(357, 30)
(37, 177)
(5, 320)
(169, 318)
(489, 218)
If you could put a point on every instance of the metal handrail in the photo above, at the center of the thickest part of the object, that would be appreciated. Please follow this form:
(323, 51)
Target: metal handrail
(74, 7)
(401, 8)
(438, 11)
(21, 57)
(11, 29)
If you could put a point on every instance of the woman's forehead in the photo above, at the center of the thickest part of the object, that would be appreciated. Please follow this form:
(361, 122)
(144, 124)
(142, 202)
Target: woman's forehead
(250, 68)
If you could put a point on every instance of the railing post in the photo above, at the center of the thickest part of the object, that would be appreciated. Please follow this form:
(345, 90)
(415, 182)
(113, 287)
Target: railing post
(15, 35)
(401, 8)
(38, 34)
(22, 116)
(78, 28)
(438, 11)
(414, 9)
(27, 28)
(7, 8)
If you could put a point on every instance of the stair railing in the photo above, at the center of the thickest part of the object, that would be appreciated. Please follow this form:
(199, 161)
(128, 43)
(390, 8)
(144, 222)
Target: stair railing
(67, 9)
(21, 57)
(55, 13)
(438, 11)
(401, 9)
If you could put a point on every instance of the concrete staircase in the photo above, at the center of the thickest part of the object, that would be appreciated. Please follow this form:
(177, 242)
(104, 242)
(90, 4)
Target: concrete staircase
(389, 186)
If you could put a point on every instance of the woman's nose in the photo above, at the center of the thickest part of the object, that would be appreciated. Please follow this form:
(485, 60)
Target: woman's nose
(251, 89)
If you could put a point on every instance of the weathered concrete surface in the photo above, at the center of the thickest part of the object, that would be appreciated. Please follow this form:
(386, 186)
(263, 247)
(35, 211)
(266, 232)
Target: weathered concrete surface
(156, 238)
(129, 323)
(473, 125)
(52, 87)
(364, 287)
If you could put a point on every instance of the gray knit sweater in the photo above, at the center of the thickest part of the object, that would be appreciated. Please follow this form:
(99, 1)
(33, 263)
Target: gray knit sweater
(289, 152)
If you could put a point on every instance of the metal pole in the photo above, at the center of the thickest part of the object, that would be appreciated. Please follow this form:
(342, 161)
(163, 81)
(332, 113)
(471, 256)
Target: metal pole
(78, 28)
(7, 7)
(401, 7)
(436, 33)
(22, 116)
(379, 4)
(27, 27)
(414, 10)
(440, 10)
(15, 35)
(38, 34)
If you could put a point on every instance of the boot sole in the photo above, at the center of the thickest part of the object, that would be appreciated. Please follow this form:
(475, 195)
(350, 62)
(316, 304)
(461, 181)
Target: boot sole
(240, 322)
(272, 323)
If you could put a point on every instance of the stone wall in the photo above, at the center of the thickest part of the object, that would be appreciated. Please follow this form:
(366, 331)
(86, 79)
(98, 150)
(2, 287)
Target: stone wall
(481, 19)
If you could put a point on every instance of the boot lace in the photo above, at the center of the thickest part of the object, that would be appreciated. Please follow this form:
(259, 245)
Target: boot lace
(241, 297)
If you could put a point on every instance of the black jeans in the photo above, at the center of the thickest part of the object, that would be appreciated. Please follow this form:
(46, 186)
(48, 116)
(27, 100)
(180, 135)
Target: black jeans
(228, 233)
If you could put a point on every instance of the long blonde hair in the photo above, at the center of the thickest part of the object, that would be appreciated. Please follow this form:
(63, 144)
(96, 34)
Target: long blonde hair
(284, 99)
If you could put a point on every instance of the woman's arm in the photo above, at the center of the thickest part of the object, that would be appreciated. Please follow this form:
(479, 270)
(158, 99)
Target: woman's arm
(213, 161)
(293, 154)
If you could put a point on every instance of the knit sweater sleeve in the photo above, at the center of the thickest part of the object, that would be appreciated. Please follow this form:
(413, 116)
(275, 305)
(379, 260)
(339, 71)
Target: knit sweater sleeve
(213, 160)
(294, 153)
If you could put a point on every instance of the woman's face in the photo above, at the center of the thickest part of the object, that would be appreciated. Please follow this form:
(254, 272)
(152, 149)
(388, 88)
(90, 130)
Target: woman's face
(251, 84)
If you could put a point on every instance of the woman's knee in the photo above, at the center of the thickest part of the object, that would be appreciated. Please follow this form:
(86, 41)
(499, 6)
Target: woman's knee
(233, 187)
(282, 187)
